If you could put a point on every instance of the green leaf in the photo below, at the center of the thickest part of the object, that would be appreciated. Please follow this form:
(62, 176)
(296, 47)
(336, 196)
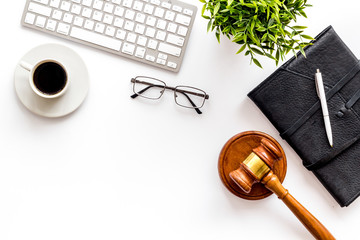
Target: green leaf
(270, 56)
(203, 11)
(257, 62)
(209, 25)
(217, 7)
(241, 49)
(307, 37)
(302, 13)
(203, 1)
(230, 2)
(257, 51)
(298, 27)
(217, 34)
(302, 51)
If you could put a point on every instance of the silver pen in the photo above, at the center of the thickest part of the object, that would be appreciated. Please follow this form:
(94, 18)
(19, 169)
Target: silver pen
(321, 94)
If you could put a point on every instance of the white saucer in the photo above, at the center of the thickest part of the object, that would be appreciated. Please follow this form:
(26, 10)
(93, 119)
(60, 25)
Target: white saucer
(78, 80)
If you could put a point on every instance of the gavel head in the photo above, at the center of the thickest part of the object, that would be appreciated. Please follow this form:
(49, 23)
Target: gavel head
(246, 159)
(256, 165)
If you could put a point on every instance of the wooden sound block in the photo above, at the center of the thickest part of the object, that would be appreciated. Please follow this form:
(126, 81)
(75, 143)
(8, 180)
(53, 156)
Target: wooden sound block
(235, 152)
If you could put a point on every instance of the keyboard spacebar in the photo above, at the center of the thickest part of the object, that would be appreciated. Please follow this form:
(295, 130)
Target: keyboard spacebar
(95, 38)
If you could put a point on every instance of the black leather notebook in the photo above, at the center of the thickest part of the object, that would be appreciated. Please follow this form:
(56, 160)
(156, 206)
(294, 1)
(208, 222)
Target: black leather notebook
(289, 100)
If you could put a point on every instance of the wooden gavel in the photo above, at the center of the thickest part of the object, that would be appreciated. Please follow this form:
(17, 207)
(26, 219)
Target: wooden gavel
(258, 168)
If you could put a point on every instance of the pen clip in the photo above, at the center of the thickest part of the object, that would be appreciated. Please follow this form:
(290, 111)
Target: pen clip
(317, 85)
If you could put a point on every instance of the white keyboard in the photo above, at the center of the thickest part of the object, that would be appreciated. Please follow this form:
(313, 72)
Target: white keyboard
(150, 31)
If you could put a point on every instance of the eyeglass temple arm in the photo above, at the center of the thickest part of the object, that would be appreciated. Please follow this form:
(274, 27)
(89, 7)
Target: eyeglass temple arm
(140, 92)
(145, 89)
(191, 102)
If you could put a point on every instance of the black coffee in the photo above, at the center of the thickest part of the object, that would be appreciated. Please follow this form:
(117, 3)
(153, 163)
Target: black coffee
(50, 78)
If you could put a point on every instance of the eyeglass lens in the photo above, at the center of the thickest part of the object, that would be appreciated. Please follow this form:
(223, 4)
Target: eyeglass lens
(148, 87)
(189, 97)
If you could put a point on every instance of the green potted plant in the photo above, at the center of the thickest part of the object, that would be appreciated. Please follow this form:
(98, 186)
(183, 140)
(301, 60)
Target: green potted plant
(261, 27)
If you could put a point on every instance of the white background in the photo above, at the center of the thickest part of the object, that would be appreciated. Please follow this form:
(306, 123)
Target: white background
(122, 168)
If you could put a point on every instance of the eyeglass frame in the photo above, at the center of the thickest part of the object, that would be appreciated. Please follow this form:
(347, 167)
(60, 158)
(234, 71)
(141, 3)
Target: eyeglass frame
(175, 89)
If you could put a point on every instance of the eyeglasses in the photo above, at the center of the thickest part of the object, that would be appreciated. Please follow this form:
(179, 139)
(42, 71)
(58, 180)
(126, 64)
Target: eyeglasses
(185, 96)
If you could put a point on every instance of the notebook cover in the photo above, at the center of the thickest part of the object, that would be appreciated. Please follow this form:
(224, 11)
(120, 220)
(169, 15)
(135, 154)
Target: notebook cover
(289, 100)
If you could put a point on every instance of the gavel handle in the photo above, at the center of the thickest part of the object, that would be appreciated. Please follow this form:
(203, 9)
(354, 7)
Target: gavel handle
(313, 225)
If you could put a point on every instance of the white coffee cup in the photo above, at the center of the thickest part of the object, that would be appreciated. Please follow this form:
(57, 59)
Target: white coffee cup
(48, 78)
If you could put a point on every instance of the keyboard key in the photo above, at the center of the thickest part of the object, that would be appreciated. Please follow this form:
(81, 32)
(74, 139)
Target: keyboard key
(169, 15)
(127, 3)
(65, 6)
(131, 37)
(54, 3)
(129, 25)
(150, 58)
(129, 14)
(120, 34)
(149, 9)
(30, 18)
(138, 6)
(68, 18)
(172, 27)
(177, 8)
(95, 38)
(150, 32)
(57, 14)
(142, 41)
(86, 12)
(162, 56)
(99, 27)
(188, 12)
(119, 11)
(160, 61)
(182, 19)
(159, 12)
(118, 22)
(51, 25)
(140, 17)
(40, 21)
(97, 16)
(140, 52)
(169, 49)
(128, 48)
(98, 4)
(87, 2)
(78, 21)
(110, 31)
(161, 24)
(166, 5)
(76, 9)
(89, 24)
(173, 39)
(182, 31)
(172, 64)
(39, 9)
(160, 35)
(108, 19)
(150, 21)
(63, 28)
(139, 28)
(108, 7)
(152, 44)
(155, 2)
